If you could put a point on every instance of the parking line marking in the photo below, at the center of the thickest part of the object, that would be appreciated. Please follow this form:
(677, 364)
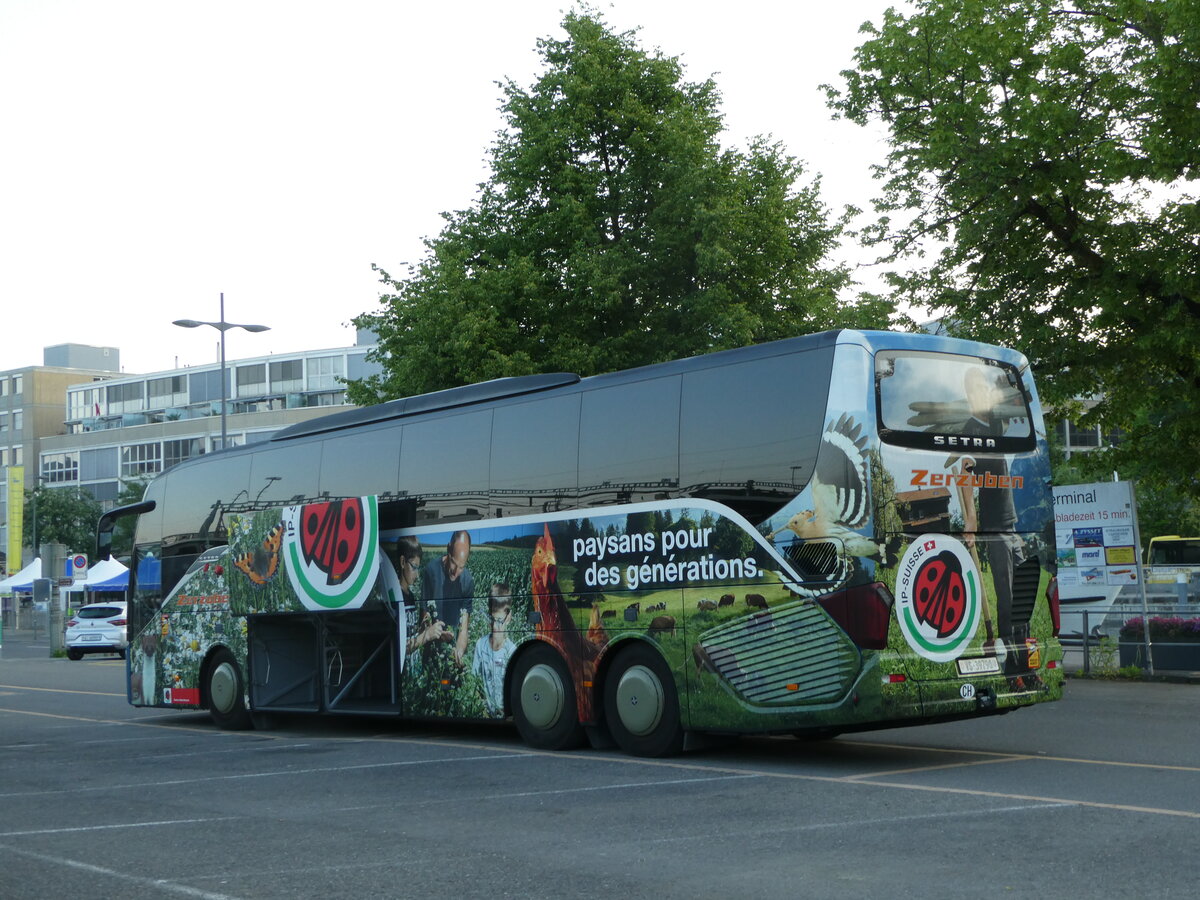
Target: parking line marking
(23, 687)
(161, 884)
(5, 834)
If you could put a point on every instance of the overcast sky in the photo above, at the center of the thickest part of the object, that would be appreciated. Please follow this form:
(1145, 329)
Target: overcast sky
(157, 153)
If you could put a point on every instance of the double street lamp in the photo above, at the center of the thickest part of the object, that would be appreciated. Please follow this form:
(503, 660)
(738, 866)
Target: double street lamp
(221, 326)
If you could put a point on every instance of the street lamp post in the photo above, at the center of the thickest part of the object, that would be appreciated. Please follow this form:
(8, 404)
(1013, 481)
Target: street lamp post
(221, 326)
(33, 495)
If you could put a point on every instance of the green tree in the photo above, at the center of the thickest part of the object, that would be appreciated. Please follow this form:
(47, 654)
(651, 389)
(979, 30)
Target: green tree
(1041, 179)
(613, 231)
(64, 516)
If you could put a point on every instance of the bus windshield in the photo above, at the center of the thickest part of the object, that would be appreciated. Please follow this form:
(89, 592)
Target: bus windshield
(942, 393)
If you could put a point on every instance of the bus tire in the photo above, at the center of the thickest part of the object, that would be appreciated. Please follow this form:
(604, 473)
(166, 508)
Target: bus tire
(225, 692)
(641, 705)
(542, 698)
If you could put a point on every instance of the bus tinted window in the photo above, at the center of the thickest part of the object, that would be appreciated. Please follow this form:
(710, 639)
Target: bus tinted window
(445, 462)
(362, 463)
(928, 398)
(198, 495)
(760, 448)
(535, 453)
(280, 476)
(629, 442)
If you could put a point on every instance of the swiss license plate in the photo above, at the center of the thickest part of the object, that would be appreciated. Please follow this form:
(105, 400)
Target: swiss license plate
(982, 665)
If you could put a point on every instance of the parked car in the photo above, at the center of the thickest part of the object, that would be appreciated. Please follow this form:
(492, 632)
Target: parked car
(97, 628)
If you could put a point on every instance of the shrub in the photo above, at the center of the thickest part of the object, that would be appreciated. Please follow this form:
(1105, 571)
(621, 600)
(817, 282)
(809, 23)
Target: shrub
(1164, 629)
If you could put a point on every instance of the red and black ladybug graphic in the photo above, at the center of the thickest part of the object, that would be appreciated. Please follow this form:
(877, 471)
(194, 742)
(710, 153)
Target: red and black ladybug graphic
(940, 597)
(331, 537)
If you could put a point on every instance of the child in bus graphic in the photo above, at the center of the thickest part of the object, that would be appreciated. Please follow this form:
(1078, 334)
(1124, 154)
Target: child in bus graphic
(494, 650)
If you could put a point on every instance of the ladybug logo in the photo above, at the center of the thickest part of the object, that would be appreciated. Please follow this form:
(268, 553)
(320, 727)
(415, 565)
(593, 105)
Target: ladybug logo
(331, 537)
(332, 552)
(941, 594)
(939, 597)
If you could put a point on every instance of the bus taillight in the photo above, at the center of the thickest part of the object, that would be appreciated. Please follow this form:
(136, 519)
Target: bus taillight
(864, 612)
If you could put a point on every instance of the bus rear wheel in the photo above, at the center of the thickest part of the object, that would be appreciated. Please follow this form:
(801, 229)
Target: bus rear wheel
(225, 692)
(641, 705)
(542, 698)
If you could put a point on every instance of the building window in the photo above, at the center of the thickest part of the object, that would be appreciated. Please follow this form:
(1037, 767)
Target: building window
(84, 404)
(1079, 436)
(123, 398)
(175, 452)
(18, 420)
(18, 385)
(58, 468)
(18, 456)
(252, 380)
(3, 423)
(287, 376)
(328, 398)
(99, 463)
(324, 371)
(3, 387)
(3, 456)
(167, 392)
(138, 460)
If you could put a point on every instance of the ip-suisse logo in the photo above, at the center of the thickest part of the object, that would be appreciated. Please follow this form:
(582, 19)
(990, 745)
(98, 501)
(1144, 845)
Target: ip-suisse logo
(939, 597)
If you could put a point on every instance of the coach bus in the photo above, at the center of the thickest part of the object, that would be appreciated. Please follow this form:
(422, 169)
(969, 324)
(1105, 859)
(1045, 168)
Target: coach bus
(828, 533)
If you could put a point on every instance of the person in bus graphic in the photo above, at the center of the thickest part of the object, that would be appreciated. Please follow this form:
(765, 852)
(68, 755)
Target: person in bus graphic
(422, 628)
(996, 514)
(449, 583)
(493, 651)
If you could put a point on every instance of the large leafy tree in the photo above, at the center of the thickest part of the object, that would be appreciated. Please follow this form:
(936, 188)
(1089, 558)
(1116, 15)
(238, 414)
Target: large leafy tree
(613, 231)
(1045, 156)
(64, 516)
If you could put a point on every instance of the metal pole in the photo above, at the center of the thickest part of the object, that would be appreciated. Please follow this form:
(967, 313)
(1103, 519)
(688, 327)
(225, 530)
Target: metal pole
(1141, 577)
(1087, 645)
(224, 388)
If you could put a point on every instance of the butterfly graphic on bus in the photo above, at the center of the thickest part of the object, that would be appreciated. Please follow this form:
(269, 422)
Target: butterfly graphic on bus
(262, 563)
(331, 537)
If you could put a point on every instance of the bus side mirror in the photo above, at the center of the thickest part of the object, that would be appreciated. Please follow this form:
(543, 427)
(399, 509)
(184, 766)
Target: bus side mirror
(104, 528)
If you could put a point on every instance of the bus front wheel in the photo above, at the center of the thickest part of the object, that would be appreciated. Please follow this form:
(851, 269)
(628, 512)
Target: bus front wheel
(225, 693)
(542, 698)
(641, 705)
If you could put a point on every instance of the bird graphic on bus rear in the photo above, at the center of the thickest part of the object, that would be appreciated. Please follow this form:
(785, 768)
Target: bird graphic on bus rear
(840, 506)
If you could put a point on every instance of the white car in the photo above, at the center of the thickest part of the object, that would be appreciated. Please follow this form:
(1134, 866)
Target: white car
(97, 628)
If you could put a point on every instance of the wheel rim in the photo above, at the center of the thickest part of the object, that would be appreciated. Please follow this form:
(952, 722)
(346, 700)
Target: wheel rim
(222, 687)
(640, 700)
(543, 696)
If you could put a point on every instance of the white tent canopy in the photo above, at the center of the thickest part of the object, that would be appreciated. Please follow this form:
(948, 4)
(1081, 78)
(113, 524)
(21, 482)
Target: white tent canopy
(101, 572)
(105, 570)
(23, 578)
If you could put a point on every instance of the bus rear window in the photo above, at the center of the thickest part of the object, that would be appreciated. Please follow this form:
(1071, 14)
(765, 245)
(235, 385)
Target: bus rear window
(940, 400)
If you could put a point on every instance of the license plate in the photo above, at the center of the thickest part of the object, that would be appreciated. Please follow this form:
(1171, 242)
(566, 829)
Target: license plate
(984, 665)
(90, 637)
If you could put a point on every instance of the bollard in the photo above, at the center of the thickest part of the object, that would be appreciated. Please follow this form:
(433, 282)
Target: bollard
(1087, 649)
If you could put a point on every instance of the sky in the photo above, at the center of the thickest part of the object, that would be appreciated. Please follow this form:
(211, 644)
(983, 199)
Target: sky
(157, 154)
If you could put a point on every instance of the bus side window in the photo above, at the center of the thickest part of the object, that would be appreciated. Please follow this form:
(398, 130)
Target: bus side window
(445, 463)
(629, 443)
